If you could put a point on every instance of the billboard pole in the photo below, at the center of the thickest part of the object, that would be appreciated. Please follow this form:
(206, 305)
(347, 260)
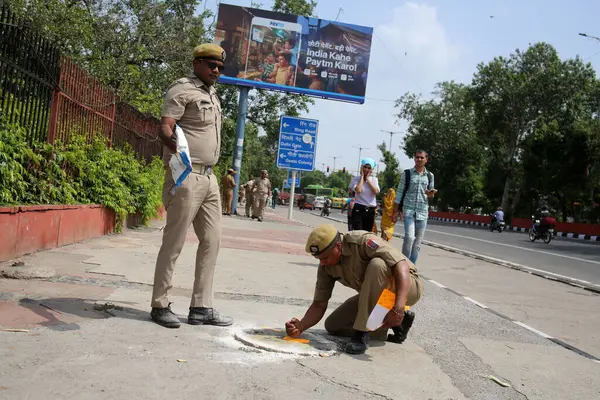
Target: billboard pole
(292, 192)
(239, 143)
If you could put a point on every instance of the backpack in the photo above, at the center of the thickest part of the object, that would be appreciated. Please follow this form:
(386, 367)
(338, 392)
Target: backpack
(407, 183)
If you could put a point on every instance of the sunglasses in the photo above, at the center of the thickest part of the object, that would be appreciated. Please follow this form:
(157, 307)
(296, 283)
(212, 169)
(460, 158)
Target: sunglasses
(212, 64)
(367, 166)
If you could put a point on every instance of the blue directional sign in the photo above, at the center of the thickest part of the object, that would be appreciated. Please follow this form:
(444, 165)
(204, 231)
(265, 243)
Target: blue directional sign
(297, 143)
(289, 179)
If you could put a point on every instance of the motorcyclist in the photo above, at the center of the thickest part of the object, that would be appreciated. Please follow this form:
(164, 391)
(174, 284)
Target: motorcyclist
(497, 216)
(546, 220)
(326, 206)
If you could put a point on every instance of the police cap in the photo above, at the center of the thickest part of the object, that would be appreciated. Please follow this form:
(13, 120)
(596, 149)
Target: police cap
(321, 239)
(210, 51)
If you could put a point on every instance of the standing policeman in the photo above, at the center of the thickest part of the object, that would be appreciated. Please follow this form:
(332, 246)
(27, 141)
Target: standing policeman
(193, 104)
(249, 187)
(362, 261)
(228, 183)
(262, 189)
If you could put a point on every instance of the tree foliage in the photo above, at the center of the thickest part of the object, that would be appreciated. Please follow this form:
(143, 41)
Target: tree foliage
(138, 47)
(524, 132)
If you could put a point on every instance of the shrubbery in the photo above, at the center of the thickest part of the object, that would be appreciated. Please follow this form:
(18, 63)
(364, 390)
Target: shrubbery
(79, 172)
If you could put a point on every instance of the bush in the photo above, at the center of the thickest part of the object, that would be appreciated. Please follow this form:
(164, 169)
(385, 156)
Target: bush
(79, 172)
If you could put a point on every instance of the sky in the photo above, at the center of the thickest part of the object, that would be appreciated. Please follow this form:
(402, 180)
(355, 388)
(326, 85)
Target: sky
(419, 43)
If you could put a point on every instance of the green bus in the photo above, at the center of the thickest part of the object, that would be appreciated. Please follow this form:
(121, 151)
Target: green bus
(318, 190)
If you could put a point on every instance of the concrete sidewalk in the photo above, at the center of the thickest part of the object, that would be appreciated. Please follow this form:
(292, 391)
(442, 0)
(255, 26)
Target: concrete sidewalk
(89, 334)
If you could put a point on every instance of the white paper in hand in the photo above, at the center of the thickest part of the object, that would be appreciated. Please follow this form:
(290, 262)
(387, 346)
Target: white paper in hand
(180, 163)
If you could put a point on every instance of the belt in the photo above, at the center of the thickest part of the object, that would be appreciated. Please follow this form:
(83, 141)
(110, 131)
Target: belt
(368, 208)
(202, 169)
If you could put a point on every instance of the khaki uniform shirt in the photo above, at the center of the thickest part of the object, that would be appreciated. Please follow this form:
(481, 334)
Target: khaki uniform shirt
(197, 110)
(249, 186)
(228, 182)
(262, 186)
(358, 248)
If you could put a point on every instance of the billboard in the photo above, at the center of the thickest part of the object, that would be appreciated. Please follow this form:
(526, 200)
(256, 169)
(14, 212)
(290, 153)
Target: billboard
(276, 51)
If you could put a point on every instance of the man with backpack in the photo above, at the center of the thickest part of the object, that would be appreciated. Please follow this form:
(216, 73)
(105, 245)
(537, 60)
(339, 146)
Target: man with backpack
(415, 189)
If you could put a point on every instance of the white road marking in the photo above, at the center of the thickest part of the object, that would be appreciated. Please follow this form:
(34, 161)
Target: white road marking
(475, 302)
(437, 284)
(516, 247)
(533, 330)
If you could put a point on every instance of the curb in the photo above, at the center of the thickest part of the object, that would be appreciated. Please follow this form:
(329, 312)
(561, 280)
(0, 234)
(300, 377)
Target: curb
(534, 271)
(568, 235)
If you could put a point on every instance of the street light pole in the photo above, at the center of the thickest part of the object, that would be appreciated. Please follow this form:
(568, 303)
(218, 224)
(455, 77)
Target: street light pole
(360, 149)
(589, 36)
(391, 134)
(334, 158)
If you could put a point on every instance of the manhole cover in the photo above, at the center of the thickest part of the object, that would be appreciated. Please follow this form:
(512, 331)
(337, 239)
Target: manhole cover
(276, 340)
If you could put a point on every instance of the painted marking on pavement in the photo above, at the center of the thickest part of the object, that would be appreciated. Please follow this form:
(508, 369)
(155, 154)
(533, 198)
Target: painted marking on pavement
(437, 284)
(533, 329)
(516, 247)
(475, 302)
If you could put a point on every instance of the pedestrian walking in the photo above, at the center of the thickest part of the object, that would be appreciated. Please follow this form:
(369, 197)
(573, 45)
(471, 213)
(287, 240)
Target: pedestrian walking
(192, 103)
(274, 198)
(348, 206)
(227, 184)
(387, 216)
(415, 189)
(248, 188)
(262, 189)
(366, 188)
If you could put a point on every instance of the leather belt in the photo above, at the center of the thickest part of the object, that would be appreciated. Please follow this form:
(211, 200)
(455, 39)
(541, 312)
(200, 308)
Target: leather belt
(202, 169)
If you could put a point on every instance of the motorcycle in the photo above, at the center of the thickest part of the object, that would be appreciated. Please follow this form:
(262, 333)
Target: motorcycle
(497, 225)
(539, 232)
(325, 211)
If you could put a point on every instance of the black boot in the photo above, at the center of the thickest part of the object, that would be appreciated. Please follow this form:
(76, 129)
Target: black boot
(207, 316)
(401, 331)
(359, 343)
(165, 317)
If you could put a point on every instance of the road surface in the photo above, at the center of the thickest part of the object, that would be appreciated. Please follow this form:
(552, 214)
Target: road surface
(569, 257)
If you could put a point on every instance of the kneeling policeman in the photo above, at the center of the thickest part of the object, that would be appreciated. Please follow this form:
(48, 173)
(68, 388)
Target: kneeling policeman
(362, 261)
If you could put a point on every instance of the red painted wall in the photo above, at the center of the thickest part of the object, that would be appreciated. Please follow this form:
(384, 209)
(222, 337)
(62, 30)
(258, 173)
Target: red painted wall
(585, 229)
(27, 229)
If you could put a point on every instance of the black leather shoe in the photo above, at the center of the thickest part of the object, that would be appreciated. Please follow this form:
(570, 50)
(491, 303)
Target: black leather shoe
(400, 332)
(359, 343)
(207, 316)
(165, 317)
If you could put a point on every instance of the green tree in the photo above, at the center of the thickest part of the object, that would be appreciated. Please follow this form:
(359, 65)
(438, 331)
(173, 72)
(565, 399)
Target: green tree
(517, 96)
(445, 128)
(390, 176)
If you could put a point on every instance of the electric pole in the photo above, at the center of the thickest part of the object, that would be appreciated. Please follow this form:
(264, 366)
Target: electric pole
(391, 134)
(360, 149)
(334, 158)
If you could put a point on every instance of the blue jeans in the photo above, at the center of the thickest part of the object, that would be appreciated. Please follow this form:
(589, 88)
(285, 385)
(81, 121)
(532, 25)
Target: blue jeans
(414, 230)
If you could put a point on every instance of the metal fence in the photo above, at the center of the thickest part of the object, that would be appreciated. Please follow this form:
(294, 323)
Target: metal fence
(54, 98)
(29, 72)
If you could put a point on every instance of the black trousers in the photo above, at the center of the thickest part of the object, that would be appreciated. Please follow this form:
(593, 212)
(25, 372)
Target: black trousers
(363, 217)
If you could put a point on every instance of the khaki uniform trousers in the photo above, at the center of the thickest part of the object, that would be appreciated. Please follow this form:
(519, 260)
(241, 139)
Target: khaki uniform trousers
(196, 202)
(354, 312)
(227, 199)
(260, 202)
(249, 204)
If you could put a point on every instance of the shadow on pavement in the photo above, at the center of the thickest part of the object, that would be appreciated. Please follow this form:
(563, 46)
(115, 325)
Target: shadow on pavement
(59, 313)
